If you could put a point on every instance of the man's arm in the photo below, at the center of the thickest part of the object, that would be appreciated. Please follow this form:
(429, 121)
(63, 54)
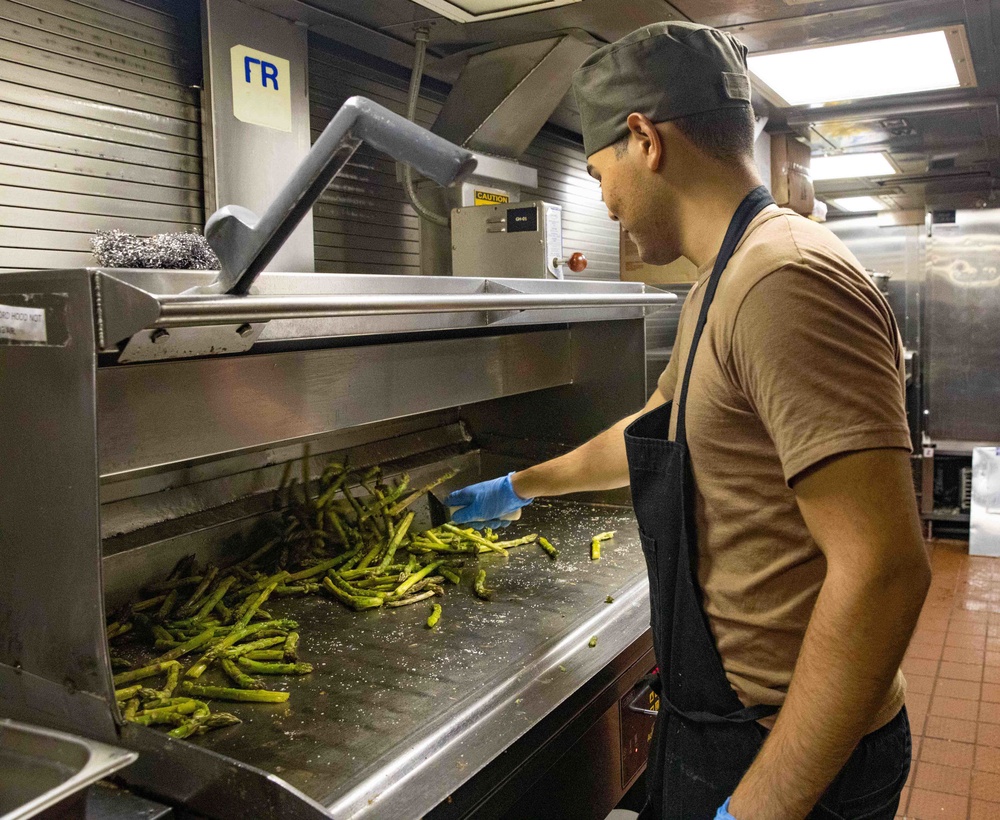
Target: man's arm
(600, 464)
(861, 511)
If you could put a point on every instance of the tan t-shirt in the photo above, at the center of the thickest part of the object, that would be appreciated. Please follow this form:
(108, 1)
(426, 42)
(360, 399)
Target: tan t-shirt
(800, 360)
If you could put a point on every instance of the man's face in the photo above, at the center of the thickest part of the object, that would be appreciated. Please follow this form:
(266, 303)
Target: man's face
(635, 197)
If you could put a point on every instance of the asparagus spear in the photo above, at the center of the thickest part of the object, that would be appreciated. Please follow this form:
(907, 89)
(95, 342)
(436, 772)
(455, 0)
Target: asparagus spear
(401, 505)
(122, 695)
(355, 602)
(593, 642)
(253, 646)
(215, 597)
(454, 577)
(411, 599)
(175, 584)
(435, 616)
(224, 693)
(191, 605)
(413, 579)
(264, 655)
(236, 635)
(167, 607)
(545, 545)
(275, 668)
(595, 544)
(187, 646)
(264, 595)
(395, 542)
(479, 586)
(155, 668)
(239, 677)
(292, 647)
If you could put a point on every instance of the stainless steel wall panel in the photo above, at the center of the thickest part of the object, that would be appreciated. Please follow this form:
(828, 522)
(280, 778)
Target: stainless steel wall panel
(18, 217)
(158, 167)
(99, 125)
(39, 31)
(116, 189)
(154, 416)
(107, 19)
(54, 667)
(152, 14)
(367, 191)
(186, 148)
(45, 240)
(961, 331)
(48, 204)
(73, 164)
(80, 83)
(38, 259)
(87, 69)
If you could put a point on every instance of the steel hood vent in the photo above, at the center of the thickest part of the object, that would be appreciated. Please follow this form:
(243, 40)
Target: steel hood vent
(470, 11)
(503, 97)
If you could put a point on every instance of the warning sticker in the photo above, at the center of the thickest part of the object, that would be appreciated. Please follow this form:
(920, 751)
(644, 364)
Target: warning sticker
(490, 198)
(38, 319)
(23, 324)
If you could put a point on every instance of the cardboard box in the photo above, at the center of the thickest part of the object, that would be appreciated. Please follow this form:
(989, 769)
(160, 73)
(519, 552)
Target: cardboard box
(633, 269)
(791, 184)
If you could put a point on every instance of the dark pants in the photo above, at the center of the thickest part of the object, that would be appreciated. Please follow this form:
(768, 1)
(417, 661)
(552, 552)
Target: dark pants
(869, 785)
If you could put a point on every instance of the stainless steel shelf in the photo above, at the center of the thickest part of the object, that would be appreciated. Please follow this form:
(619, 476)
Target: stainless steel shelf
(154, 310)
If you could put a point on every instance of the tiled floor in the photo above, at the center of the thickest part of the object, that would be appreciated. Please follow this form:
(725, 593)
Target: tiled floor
(952, 670)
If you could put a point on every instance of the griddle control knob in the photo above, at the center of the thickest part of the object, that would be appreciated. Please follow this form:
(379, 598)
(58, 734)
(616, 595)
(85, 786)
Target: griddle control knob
(576, 263)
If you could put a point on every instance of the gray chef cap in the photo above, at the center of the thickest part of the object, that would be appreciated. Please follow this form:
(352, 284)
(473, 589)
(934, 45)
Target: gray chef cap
(665, 71)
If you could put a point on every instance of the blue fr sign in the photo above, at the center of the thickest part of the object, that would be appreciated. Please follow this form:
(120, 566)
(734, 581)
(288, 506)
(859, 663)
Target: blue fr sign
(261, 88)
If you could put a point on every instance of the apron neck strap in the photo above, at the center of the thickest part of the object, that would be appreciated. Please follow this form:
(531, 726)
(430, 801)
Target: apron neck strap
(752, 204)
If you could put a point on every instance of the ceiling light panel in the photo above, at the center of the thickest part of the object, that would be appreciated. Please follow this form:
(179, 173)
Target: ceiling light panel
(851, 166)
(470, 11)
(859, 204)
(909, 63)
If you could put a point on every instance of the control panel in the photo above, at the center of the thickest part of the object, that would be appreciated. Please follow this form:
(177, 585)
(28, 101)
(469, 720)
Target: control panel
(511, 239)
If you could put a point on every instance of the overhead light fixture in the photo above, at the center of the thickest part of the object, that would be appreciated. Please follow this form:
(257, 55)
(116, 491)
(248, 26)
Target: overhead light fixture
(851, 166)
(859, 204)
(471, 11)
(903, 64)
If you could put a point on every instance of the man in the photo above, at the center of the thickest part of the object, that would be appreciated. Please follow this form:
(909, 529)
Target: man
(773, 493)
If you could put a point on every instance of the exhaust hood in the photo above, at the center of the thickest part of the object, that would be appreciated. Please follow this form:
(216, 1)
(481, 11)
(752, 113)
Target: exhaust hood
(471, 11)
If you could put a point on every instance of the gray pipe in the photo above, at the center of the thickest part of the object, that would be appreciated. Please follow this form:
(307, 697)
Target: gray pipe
(411, 114)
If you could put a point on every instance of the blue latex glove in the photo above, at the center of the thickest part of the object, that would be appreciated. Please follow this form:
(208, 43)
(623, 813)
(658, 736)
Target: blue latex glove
(482, 504)
(723, 812)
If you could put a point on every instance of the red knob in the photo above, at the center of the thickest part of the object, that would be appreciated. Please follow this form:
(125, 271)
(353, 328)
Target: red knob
(577, 262)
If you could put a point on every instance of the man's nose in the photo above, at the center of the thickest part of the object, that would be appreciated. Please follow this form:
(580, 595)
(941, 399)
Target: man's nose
(612, 215)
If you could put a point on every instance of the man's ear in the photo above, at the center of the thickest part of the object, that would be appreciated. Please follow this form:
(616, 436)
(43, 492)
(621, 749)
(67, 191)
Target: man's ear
(648, 138)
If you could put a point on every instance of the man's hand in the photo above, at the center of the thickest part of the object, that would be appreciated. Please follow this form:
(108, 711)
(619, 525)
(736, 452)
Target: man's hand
(861, 511)
(485, 504)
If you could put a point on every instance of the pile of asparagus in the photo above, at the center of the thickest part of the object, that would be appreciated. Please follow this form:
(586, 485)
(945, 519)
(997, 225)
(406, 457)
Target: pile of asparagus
(361, 552)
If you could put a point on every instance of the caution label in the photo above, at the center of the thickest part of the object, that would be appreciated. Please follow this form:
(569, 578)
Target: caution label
(490, 198)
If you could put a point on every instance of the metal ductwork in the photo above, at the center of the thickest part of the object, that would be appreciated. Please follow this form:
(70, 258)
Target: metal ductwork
(503, 97)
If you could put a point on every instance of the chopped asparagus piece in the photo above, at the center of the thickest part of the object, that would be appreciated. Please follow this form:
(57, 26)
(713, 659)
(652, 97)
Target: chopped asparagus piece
(479, 586)
(435, 616)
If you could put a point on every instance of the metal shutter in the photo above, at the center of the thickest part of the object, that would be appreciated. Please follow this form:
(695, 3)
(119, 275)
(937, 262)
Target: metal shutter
(99, 125)
(363, 223)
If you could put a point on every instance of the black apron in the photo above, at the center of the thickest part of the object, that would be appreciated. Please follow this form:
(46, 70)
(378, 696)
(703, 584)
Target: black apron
(705, 739)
